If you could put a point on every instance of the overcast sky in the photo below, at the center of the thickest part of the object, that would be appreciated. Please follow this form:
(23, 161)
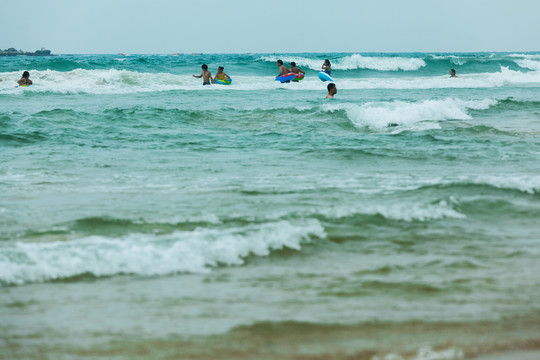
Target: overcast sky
(210, 26)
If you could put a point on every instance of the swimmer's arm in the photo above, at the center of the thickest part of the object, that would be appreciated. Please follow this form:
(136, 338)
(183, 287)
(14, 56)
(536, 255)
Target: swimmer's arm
(20, 82)
(198, 76)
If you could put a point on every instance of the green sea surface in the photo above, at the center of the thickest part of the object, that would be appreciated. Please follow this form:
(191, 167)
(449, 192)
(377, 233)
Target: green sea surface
(143, 215)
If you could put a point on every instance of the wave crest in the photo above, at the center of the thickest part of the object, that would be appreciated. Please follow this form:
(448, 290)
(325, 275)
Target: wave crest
(113, 81)
(149, 254)
(384, 114)
(529, 64)
(356, 61)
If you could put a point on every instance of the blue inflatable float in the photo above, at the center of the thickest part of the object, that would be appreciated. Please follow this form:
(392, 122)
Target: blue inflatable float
(286, 77)
(325, 77)
(224, 81)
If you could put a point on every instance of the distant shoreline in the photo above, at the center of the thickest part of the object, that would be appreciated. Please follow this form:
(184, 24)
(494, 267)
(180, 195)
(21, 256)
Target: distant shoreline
(15, 52)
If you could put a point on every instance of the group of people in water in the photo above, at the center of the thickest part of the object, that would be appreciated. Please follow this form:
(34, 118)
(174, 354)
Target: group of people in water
(206, 75)
(284, 70)
(326, 67)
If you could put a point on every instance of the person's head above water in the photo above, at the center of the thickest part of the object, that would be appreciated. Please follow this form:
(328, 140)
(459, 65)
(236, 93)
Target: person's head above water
(26, 75)
(221, 68)
(280, 62)
(293, 64)
(327, 62)
(204, 67)
(452, 72)
(332, 90)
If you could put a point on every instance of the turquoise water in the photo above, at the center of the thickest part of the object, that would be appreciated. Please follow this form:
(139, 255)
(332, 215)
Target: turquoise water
(141, 210)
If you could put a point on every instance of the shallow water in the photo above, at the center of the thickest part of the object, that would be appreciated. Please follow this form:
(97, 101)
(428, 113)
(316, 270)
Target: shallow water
(143, 211)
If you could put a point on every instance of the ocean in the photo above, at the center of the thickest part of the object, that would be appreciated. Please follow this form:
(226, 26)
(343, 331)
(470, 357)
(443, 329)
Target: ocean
(145, 216)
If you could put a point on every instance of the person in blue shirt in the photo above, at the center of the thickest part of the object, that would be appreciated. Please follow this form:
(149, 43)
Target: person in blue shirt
(327, 67)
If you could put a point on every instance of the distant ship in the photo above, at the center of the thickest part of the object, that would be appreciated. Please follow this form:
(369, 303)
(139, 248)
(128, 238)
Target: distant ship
(15, 52)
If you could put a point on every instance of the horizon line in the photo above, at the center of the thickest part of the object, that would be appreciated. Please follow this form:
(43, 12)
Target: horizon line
(304, 52)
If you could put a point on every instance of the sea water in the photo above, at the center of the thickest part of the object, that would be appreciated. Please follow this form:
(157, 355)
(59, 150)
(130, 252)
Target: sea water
(143, 215)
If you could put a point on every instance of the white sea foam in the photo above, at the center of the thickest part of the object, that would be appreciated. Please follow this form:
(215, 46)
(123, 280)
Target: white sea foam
(404, 211)
(379, 63)
(529, 64)
(192, 218)
(525, 56)
(427, 353)
(113, 81)
(144, 254)
(439, 210)
(529, 184)
(355, 61)
(379, 115)
(453, 59)
(505, 77)
(98, 81)
(525, 183)
(373, 183)
(124, 82)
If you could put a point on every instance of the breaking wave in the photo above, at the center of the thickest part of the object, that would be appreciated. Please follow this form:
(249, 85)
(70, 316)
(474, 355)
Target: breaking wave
(148, 254)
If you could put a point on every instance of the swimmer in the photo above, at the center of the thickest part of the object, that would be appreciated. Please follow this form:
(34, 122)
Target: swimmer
(296, 70)
(282, 69)
(453, 73)
(332, 90)
(205, 74)
(327, 67)
(300, 73)
(220, 75)
(25, 79)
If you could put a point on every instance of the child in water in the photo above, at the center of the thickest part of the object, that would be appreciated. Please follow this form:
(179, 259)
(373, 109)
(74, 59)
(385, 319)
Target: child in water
(326, 67)
(453, 73)
(205, 74)
(25, 80)
(332, 90)
(220, 75)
